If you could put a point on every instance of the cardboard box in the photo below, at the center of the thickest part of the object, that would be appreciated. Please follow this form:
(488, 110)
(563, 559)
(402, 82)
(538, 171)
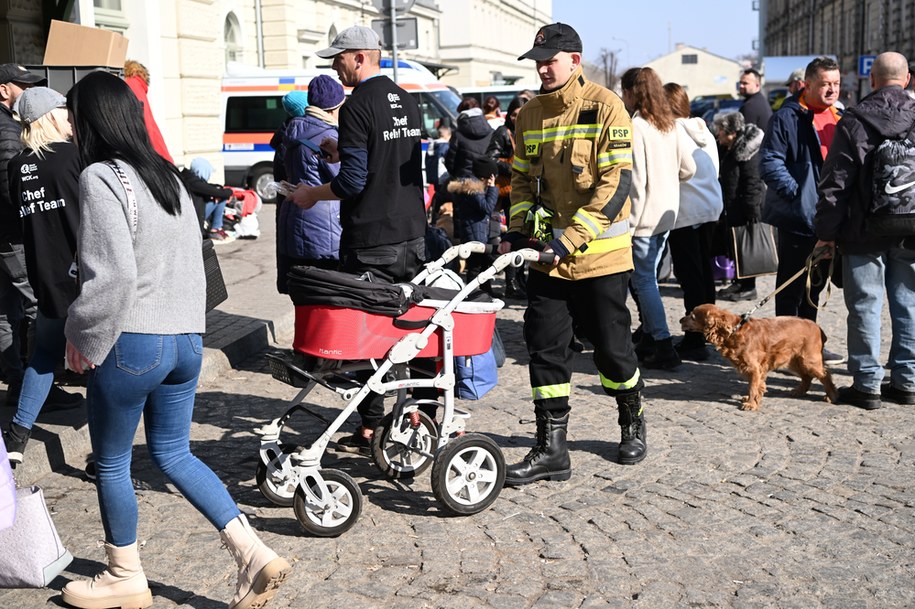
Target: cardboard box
(70, 44)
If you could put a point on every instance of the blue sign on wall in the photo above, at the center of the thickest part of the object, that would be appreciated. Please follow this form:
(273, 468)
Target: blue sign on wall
(864, 65)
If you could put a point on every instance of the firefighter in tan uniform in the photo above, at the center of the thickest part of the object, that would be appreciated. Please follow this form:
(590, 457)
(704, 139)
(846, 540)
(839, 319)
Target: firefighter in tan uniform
(570, 195)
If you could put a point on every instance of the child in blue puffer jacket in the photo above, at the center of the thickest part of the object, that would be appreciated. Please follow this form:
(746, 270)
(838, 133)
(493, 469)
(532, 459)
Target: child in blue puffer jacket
(475, 215)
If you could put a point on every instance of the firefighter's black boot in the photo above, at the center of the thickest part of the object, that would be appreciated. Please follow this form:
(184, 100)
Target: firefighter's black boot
(634, 441)
(549, 459)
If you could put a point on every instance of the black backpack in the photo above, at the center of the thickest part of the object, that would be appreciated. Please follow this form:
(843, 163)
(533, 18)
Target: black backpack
(891, 212)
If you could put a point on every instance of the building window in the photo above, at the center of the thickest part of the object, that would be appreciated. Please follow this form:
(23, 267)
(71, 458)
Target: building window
(109, 14)
(232, 37)
(331, 35)
(691, 59)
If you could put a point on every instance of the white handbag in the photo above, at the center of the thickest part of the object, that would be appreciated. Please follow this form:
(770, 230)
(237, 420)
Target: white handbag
(31, 553)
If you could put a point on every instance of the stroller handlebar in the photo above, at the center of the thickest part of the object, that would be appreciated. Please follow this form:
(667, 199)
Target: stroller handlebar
(530, 255)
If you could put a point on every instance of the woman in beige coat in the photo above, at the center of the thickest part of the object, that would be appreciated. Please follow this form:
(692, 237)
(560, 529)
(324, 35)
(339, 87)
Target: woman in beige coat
(659, 164)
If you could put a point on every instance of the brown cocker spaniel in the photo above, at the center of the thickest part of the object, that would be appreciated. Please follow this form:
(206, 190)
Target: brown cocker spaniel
(761, 345)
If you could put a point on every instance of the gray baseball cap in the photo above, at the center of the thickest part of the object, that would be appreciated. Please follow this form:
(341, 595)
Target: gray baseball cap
(35, 102)
(355, 38)
(797, 75)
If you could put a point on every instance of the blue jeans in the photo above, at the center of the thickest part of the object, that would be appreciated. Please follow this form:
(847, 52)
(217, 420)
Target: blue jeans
(154, 376)
(17, 303)
(865, 276)
(47, 350)
(646, 255)
(215, 212)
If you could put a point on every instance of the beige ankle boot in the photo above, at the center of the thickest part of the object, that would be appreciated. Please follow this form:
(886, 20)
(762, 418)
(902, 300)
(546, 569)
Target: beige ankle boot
(260, 570)
(122, 584)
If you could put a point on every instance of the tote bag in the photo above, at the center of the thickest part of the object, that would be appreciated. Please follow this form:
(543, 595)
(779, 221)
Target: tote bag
(31, 554)
(754, 250)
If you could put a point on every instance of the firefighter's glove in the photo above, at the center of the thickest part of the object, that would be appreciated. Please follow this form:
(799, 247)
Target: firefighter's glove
(540, 221)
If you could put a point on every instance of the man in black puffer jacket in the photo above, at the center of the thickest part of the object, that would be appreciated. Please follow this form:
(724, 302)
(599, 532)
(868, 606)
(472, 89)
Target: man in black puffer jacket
(17, 302)
(873, 262)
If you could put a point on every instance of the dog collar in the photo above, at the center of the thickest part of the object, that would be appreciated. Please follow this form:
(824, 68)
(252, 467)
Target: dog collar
(743, 319)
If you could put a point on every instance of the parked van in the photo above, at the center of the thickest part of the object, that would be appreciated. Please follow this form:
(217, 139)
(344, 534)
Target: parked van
(252, 111)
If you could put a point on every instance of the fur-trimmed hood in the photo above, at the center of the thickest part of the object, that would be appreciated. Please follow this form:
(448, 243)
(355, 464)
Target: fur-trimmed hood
(467, 186)
(748, 142)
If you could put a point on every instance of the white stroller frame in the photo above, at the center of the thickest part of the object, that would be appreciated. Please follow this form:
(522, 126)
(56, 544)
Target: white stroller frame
(468, 470)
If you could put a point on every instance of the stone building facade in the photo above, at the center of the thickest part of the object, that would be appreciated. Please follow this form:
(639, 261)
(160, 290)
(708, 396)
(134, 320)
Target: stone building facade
(847, 29)
(188, 44)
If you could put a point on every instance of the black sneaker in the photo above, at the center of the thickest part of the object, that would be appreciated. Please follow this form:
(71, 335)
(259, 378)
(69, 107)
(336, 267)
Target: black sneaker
(692, 347)
(738, 294)
(694, 354)
(356, 444)
(859, 399)
(15, 438)
(899, 396)
(58, 399)
(90, 470)
(730, 289)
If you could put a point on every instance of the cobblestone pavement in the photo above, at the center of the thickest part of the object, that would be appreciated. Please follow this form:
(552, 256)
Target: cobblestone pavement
(803, 504)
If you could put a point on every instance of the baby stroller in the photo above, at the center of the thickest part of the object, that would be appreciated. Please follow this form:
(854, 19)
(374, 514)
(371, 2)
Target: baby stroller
(381, 336)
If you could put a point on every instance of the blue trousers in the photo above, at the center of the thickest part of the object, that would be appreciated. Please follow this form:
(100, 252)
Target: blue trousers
(153, 376)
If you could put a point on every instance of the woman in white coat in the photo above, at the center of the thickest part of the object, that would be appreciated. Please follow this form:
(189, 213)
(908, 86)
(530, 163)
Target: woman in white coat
(659, 164)
(700, 207)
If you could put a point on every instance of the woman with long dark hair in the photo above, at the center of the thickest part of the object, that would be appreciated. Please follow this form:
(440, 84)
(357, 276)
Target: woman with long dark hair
(659, 164)
(136, 327)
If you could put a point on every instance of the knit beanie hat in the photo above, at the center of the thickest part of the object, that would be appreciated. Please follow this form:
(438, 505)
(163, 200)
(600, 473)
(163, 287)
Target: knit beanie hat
(485, 167)
(325, 92)
(295, 103)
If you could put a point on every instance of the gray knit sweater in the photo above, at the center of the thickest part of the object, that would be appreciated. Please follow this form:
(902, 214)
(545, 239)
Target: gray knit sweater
(154, 285)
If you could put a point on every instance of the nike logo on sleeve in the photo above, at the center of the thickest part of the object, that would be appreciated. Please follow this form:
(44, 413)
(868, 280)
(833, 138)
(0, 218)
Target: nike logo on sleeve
(890, 189)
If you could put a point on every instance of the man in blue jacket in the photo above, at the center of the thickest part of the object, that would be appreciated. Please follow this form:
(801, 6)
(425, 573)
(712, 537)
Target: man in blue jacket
(792, 155)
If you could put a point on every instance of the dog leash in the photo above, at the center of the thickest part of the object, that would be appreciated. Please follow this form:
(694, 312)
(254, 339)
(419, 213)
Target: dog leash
(809, 267)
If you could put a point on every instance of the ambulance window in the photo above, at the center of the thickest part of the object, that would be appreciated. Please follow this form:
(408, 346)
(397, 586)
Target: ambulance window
(433, 112)
(254, 114)
(429, 112)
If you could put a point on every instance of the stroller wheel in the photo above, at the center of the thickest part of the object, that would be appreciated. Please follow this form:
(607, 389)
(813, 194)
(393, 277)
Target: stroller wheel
(404, 458)
(327, 503)
(276, 479)
(468, 474)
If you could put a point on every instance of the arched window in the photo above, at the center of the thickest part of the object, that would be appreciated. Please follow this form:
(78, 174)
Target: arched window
(232, 37)
(331, 35)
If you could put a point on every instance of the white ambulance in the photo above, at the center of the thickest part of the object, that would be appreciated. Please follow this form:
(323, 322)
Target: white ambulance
(252, 111)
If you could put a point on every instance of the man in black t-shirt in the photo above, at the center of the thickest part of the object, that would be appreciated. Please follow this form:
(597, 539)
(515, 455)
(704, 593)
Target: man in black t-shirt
(379, 184)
